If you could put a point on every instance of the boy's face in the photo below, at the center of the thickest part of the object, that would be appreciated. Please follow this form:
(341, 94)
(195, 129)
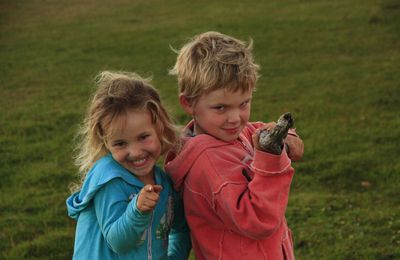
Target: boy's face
(220, 113)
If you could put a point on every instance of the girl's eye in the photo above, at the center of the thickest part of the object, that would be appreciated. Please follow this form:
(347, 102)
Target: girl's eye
(118, 144)
(143, 136)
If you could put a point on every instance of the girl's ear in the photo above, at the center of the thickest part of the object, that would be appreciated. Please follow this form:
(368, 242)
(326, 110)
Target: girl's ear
(186, 104)
(107, 145)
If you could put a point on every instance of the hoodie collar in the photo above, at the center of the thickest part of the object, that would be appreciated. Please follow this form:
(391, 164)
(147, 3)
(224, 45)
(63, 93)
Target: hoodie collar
(178, 163)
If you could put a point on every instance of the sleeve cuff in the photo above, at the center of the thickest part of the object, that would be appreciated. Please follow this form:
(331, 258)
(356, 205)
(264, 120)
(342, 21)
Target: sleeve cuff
(270, 164)
(135, 212)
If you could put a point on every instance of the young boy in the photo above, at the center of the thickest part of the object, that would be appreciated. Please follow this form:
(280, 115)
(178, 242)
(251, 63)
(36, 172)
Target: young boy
(235, 195)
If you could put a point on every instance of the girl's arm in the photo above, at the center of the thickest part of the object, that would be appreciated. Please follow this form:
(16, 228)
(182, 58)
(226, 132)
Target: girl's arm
(179, 238)
(121, 223)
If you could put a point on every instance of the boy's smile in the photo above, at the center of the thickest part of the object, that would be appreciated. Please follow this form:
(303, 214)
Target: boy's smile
(220, 113)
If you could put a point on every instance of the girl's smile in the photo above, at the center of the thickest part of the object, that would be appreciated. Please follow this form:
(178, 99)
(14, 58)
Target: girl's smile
(138, 162)
(134, 143)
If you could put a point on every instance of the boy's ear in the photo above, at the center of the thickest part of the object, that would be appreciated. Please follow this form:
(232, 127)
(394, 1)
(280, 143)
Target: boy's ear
(186, 104)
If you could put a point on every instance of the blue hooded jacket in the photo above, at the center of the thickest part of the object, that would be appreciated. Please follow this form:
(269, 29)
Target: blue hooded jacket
(109, 225)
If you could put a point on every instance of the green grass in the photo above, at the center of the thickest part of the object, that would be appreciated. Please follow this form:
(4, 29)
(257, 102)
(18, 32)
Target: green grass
(334, 64)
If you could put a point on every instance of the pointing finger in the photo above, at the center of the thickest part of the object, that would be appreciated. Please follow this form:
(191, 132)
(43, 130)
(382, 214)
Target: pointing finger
(148, 188)
(157, 188)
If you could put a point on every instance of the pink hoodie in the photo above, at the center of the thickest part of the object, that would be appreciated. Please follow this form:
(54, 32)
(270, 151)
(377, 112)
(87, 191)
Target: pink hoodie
(230, 216)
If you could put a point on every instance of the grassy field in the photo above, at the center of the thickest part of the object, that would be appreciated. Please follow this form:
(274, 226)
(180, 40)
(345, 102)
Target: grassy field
(334, 64)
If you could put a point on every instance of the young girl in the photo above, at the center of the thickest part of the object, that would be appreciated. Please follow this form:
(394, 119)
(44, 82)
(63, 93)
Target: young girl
(126, 207)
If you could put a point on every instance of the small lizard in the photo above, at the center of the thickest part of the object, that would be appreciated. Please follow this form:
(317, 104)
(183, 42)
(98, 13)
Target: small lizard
(272, 140)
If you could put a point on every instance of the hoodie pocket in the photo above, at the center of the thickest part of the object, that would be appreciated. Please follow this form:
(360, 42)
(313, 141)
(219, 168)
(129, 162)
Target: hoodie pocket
(287, 245)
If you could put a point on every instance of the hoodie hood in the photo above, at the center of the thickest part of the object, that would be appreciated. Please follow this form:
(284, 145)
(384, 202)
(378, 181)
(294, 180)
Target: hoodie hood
(102, 172)
(178, 164)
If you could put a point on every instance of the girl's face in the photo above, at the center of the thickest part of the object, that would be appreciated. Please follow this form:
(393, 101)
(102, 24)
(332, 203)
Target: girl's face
(135, 145)
(221, 113)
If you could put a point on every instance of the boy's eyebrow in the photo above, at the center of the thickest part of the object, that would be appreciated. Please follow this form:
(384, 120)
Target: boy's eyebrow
(246, 100)
(224, 104)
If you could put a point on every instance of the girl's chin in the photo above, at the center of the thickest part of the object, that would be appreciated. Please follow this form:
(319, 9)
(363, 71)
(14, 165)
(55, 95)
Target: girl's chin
(141, 172)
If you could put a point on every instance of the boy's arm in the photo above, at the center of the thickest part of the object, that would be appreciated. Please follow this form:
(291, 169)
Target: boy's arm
(121, 223)
(179, 244)
(256, 209)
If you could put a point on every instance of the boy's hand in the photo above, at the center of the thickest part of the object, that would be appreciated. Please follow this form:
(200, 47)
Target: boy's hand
(271, 140)
(148, 197)
(295, 147)
(256, 135)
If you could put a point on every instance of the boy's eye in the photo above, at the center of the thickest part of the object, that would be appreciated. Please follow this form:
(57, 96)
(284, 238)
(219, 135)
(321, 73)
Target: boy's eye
(244, 104)
(220, 108)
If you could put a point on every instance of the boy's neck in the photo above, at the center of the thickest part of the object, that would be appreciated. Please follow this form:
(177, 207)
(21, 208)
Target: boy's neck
(195, 129)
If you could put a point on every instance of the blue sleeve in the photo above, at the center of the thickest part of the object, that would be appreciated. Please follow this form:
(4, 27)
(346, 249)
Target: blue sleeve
(121, 223)
(179, 244)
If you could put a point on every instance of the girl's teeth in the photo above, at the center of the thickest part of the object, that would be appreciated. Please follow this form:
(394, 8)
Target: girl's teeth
(138, 162)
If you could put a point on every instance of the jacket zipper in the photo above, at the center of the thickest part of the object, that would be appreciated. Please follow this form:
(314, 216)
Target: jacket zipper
(149, 238)
(245, 146)
(248, 156)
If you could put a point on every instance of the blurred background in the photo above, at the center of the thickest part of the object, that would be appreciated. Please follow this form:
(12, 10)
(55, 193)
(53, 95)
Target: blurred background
(334, 64)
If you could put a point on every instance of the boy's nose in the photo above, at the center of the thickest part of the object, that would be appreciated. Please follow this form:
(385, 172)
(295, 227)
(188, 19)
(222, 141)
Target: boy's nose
(233, 117)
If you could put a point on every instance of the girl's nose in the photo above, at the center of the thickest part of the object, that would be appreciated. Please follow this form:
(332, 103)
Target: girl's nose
(134, 151)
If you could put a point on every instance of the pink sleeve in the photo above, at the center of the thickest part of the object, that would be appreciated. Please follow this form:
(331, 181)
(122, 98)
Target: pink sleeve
(256, 209)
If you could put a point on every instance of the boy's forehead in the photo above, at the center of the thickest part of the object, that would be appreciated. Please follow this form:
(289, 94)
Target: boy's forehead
(225, 95)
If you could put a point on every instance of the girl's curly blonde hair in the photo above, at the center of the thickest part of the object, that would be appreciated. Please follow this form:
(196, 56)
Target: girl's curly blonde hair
(116, 93)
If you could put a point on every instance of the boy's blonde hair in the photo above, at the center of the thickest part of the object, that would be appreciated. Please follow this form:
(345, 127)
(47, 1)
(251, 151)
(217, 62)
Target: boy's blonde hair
(116, 93)
(211, 61)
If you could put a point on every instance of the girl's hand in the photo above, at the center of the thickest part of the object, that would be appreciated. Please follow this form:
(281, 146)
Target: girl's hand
(148, 197)
(255, 137)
